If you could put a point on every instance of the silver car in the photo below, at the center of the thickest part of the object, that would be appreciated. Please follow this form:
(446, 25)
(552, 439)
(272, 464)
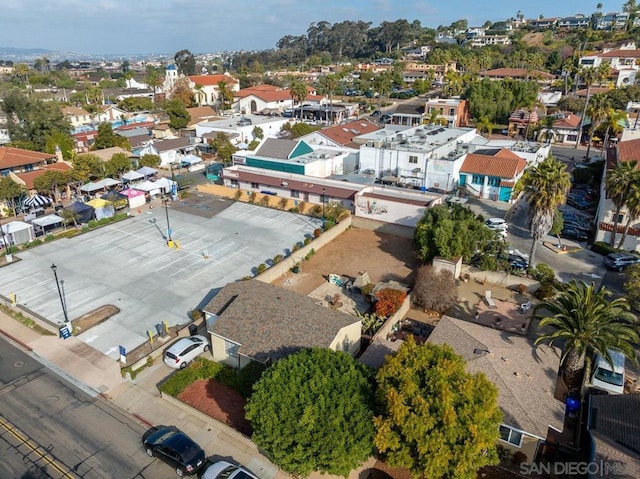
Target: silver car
(185, 350)
(225, 470)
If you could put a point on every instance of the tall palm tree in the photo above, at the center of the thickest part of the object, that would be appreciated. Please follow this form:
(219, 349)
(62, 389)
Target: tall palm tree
(299, 93)
(483, 125)
(597, 111)
(330, 84)
(589, 77)
(588, 322)
(153, 80)
(544, 187)
(613, 122)
(632, 206)
(618, 186)
(548, 123)
(199, 93)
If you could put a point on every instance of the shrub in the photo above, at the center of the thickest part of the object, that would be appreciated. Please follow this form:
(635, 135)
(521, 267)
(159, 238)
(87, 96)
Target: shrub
(49, 237)
(310, 254)
(85, 229)
(246, 278)
(519, 458)
(543, 273)
(602, 248)
(434, 290)
(252, 197)
(92, 224)
(261, 268)
(294, 210)
(237, 195)
(296, 246)
(389, 301)
(522, 288)
(367, 288)
(264, 201)
(545, 291)
(316, 211)
(200, 369)
(329, 223)
(302, 206)
(307, 241)
(277, 258)
(282, 203)
(317, 232)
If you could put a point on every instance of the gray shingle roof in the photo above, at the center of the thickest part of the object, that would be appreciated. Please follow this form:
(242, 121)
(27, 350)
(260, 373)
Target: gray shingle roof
(617, 417)
(524, 374)
(172, 144)
(276, 148)
(272, 322)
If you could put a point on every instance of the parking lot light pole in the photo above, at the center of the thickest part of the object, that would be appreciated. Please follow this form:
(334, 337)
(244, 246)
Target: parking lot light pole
(323, 223)
(54, 268)
(166, 210)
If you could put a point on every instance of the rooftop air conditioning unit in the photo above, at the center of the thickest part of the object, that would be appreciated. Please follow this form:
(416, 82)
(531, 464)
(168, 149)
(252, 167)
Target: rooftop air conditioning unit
(284, 183)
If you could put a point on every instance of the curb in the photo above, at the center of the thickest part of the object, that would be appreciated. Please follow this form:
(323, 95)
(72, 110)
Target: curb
(16, 340)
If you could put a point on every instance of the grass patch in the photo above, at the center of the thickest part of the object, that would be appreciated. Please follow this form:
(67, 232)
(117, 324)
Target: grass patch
(27, 321)
(134, 372)
(241, 381)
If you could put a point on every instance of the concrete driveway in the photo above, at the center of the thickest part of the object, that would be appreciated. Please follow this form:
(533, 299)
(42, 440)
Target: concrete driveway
(129, 265)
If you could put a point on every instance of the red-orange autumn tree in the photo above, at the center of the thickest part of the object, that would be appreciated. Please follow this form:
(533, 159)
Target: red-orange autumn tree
(389, 301)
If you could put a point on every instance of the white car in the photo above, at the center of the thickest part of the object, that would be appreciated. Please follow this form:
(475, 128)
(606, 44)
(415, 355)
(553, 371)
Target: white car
(185, 350)
(497, 224)
(225, 470)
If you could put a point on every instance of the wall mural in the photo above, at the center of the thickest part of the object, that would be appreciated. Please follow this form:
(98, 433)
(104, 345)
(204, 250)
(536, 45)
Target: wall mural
(371, 207)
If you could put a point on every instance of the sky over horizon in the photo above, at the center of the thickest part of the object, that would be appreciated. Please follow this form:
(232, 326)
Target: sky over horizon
(167, 26)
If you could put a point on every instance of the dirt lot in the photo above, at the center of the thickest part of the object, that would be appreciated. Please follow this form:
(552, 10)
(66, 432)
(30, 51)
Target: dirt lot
(385, 257)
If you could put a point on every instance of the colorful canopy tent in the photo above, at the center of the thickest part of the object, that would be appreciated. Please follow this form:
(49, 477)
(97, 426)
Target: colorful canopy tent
(46, 223)
(132, 176)
(135, 198)
(147, 171)
(116, 199)
(83, 212)
(17, 232)
(102, 208)
(36, 201)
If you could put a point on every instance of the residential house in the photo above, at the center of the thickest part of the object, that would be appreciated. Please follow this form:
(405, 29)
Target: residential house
(409, 113)
(28, 178)
(297, 156)
(624, 63)
(541, 77)
(170, 151)
(77, 116)
(453, 111)
(398, 206)
(296, 186)
(491, 173)
(426, 156)
(614, 427)
(112, 114)
(566, 128)
(17, 160)
(523, 121)
(544, 23)
(345, 135)
(524, 374)
(485, 40)
(255, 321)
(575, 21)
(162, 131)
(628, 150)
(241, 128)
(206, 87)
(268, 99)
(107, 153)
(612, 21)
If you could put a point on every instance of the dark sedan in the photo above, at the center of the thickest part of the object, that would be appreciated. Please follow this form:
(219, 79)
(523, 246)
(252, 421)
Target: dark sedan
(574, 234)
(175, 448)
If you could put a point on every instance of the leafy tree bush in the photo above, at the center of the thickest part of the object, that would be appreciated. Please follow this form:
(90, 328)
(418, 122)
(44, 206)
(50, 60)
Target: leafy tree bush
(632, 285)
(312, 411)
(437, 420)
(543, 273)
(277, 258)
(252, 197)
(317, 232)
(388, 301)
(450, 232)
(261, 268)
(434, 290)
(106, 138)
(264, 201)
(149, 160)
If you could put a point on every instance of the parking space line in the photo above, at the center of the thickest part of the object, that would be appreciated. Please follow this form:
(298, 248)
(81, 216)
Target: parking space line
(217, 263)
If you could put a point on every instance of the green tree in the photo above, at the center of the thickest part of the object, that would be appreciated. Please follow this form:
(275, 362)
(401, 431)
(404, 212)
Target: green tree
(299, 93)
(618, 186)
(10, 193)
(118, 164)
(62, 140)
(149, 160)
(257, 133)
(153, 79)
(185, 62)
(223, 147)
(632, 285)
(225, 95)
(484, 125)
(178, 115)
(51, 182)
(86, 167)
(199, 93)
(312, 411)
(587, 321)
(632, 206)
(589, 77)
(300, 129)
(106, 138)
(437, 420)
(598, 110)
(545, 187)
(614, 121)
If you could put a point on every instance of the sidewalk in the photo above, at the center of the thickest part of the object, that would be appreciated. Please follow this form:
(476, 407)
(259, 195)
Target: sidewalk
(97, 374)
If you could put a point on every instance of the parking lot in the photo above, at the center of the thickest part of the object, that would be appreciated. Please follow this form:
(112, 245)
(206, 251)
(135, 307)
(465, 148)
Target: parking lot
(129, 265)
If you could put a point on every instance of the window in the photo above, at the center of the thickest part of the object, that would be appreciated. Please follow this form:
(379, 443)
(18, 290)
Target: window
(477, 180)
(494, 181)
(621, 218)
(231, 349)
(255, 186)
(235, 184)
(413, 159)
(295, 194)
(452, 111)
(510, 435)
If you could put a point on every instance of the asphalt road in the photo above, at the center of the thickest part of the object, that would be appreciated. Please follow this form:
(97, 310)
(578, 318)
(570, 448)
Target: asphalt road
(50, 429)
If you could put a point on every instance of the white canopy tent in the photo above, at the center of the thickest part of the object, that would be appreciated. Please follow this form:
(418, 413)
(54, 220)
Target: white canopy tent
(148, 187)
(191, 160)
(99, 185)
(45, 223)
(132, 176)
(147, 171)
(164, 184)
(17, 232)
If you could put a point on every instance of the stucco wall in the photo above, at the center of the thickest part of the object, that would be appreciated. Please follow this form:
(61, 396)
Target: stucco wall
(387, 327)
(382, 227)
(348, 339)
(501, 279)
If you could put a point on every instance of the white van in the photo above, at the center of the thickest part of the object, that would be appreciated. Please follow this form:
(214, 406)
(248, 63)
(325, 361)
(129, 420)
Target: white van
(607, 378)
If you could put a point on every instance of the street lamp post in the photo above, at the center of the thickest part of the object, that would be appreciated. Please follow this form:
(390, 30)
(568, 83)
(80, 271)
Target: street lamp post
(54, 268)
(323, 223)
(166, 210)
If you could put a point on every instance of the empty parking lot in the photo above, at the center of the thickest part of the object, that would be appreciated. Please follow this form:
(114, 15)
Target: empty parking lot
(129, 265)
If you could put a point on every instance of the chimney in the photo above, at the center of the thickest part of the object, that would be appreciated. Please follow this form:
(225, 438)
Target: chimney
(58, 153)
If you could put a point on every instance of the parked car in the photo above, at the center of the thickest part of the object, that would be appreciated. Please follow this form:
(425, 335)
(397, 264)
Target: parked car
(573, 233)
(575, 225)
(619, 261)
(185, 350)
(376, 113)
(517, 262)
(578, 202)
(174, 447)
(225, 470)
(496, 224)
(386, 118)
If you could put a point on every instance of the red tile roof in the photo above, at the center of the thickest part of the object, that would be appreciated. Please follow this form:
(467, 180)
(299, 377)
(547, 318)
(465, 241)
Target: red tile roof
(505, 164)
(621, 54)
(594, 90)
(568, 121)
(629, 150)
(212, 80)
(344, 134)
(30, 176)
(269, 93)
(14, 157)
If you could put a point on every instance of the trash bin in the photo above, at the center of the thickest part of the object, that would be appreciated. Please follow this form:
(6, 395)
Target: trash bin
(160, 330)
(193, 329)
(295, 270)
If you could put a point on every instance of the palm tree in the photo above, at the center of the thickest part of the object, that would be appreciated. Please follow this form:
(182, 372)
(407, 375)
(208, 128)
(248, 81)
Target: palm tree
(153, 80)
(548, 123)
(598, 109)
(299, 93)
(545, 188)
(330, 84)
(588, 322)
(484, 125)
(632, 206)
(199, 93)
(613, 123)
(618, 185)
(589, 77)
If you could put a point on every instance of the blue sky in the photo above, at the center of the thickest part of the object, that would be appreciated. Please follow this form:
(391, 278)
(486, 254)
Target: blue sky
(167, 26)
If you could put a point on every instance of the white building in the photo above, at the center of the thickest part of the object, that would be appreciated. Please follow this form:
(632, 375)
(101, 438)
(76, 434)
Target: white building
(240, 128)
(394, 205)
(625, 60)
